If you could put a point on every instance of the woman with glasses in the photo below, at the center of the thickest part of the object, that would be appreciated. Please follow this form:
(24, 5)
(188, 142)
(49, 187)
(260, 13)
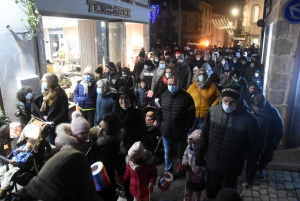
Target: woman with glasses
(133, 122)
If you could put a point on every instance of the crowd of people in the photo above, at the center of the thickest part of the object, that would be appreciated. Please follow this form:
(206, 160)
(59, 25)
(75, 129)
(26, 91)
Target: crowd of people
(207, 101)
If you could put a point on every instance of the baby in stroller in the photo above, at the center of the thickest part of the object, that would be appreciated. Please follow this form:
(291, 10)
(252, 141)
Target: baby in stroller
(27, 156)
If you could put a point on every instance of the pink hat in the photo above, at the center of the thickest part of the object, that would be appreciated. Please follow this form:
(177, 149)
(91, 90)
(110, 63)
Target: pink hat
(136, 151)
(79, 124)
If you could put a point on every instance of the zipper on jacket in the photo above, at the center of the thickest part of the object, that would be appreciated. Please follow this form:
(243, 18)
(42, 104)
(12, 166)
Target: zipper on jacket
(227, 119)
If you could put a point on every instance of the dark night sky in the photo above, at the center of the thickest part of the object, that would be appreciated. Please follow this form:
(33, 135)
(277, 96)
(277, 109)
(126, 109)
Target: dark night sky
(220, 6)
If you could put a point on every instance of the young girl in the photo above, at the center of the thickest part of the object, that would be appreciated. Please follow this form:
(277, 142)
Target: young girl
(141, 171)
(141, 95)
(195, 175)
(73, 135)
(24, 105)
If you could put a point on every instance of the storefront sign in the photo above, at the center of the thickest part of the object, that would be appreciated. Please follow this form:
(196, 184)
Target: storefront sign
(239, 37)
(108, 9)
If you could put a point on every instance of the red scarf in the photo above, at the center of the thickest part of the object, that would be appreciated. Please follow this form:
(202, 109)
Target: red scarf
(165, 80)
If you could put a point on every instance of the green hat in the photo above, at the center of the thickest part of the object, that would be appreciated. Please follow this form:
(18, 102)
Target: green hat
(233, 90)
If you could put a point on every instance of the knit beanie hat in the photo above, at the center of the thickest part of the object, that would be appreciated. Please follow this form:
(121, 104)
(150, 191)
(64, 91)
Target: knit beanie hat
(88, 69)
(99, 70)
(214, 78)
(111, 66)
(252, 83)
(233, 90)
(149, 63)
(167, 53)
(136, 151)
(79, 124)
(181, 57)
(236, 73)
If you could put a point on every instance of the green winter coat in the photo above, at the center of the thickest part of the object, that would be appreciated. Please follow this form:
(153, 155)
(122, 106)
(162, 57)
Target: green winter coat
(22, 113)
(4, 123)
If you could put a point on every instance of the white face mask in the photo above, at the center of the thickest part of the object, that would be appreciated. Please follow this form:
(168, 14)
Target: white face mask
(168, 75)
(228, 109)
(201, 78)
(223, 62)
(156, 60)
(234, 61)
(198, 58)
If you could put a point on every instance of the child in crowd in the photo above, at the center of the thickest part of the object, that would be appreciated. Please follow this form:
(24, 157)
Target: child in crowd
(24, 105)
(73, 135)
(152, 127)
(20, 156)
(4, 132)
(195, 175)
(141, 94)
(141, 170)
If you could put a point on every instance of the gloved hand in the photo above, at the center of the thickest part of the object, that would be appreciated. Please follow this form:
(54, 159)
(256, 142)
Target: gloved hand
(150, 185)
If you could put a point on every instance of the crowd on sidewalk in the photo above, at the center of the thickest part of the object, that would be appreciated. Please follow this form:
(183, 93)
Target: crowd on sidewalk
(207, 102)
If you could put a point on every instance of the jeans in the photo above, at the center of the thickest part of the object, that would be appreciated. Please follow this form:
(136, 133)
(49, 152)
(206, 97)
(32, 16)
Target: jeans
(168, 148)
(196, 122)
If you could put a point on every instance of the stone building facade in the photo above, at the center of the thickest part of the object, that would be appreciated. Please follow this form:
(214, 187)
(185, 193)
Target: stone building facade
(253, 11)
(281, 58)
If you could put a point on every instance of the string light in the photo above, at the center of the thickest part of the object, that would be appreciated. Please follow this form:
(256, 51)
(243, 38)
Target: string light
(152, 14)
(224, 24)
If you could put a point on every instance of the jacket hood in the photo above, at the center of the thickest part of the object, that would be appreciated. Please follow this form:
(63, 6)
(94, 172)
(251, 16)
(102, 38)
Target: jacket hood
(65, 139)
(65, 176)
(105, 139)
(148, 157)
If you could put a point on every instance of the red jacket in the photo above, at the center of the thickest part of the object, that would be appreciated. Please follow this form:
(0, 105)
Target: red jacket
(140, 178)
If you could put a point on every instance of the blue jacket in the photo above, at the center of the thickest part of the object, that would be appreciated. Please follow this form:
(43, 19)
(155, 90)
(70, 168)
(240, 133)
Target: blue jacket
(105, 104)
(87, 100)
(21, 157)
(141, 96)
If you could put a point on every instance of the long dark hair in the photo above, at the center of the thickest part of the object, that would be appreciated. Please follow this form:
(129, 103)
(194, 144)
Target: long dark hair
(113, 122)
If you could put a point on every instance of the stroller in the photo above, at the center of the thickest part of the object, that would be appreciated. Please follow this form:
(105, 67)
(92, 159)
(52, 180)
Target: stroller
(36, 130)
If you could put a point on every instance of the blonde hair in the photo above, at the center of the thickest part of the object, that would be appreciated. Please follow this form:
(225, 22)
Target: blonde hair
(53, 86)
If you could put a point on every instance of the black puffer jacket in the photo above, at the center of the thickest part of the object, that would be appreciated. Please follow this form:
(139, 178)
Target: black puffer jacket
(227, 139)
(271, 127)
(113, 79)
(176, 115)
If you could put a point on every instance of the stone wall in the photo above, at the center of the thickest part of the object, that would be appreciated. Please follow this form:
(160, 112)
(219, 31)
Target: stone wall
(18, 56)
(281, 74)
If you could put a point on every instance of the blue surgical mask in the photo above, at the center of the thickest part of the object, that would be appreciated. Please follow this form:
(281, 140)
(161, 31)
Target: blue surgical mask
(124, 75)
(168, 75)
(99, 91)
(87, 77)
(156, 60)
(228, 109)
(201, 78)
(173, 89)
(223, 62)
(145, 66)
(162, 66)
(44, 85)
(28, 96)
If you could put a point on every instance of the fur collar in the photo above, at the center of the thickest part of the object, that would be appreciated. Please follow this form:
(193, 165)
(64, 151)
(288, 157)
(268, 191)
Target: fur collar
(105, 139)
(64, 135)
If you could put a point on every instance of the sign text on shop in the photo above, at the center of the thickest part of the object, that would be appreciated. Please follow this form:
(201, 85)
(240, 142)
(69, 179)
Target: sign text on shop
(108, 9)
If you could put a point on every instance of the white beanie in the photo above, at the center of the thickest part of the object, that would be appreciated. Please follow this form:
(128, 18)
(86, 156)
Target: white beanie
(136, 151)
(88, 69)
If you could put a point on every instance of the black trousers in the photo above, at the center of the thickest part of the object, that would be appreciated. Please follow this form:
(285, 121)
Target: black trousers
(215, 182)
(89, 116)
(265, 158)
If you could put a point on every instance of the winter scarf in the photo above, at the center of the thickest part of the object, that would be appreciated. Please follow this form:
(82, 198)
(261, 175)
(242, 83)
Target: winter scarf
(45, 100)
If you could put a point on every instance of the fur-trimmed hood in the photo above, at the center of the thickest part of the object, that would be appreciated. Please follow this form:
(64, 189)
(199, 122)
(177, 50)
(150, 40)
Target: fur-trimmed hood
(148, 157)
(65, 139)
(105, 139)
